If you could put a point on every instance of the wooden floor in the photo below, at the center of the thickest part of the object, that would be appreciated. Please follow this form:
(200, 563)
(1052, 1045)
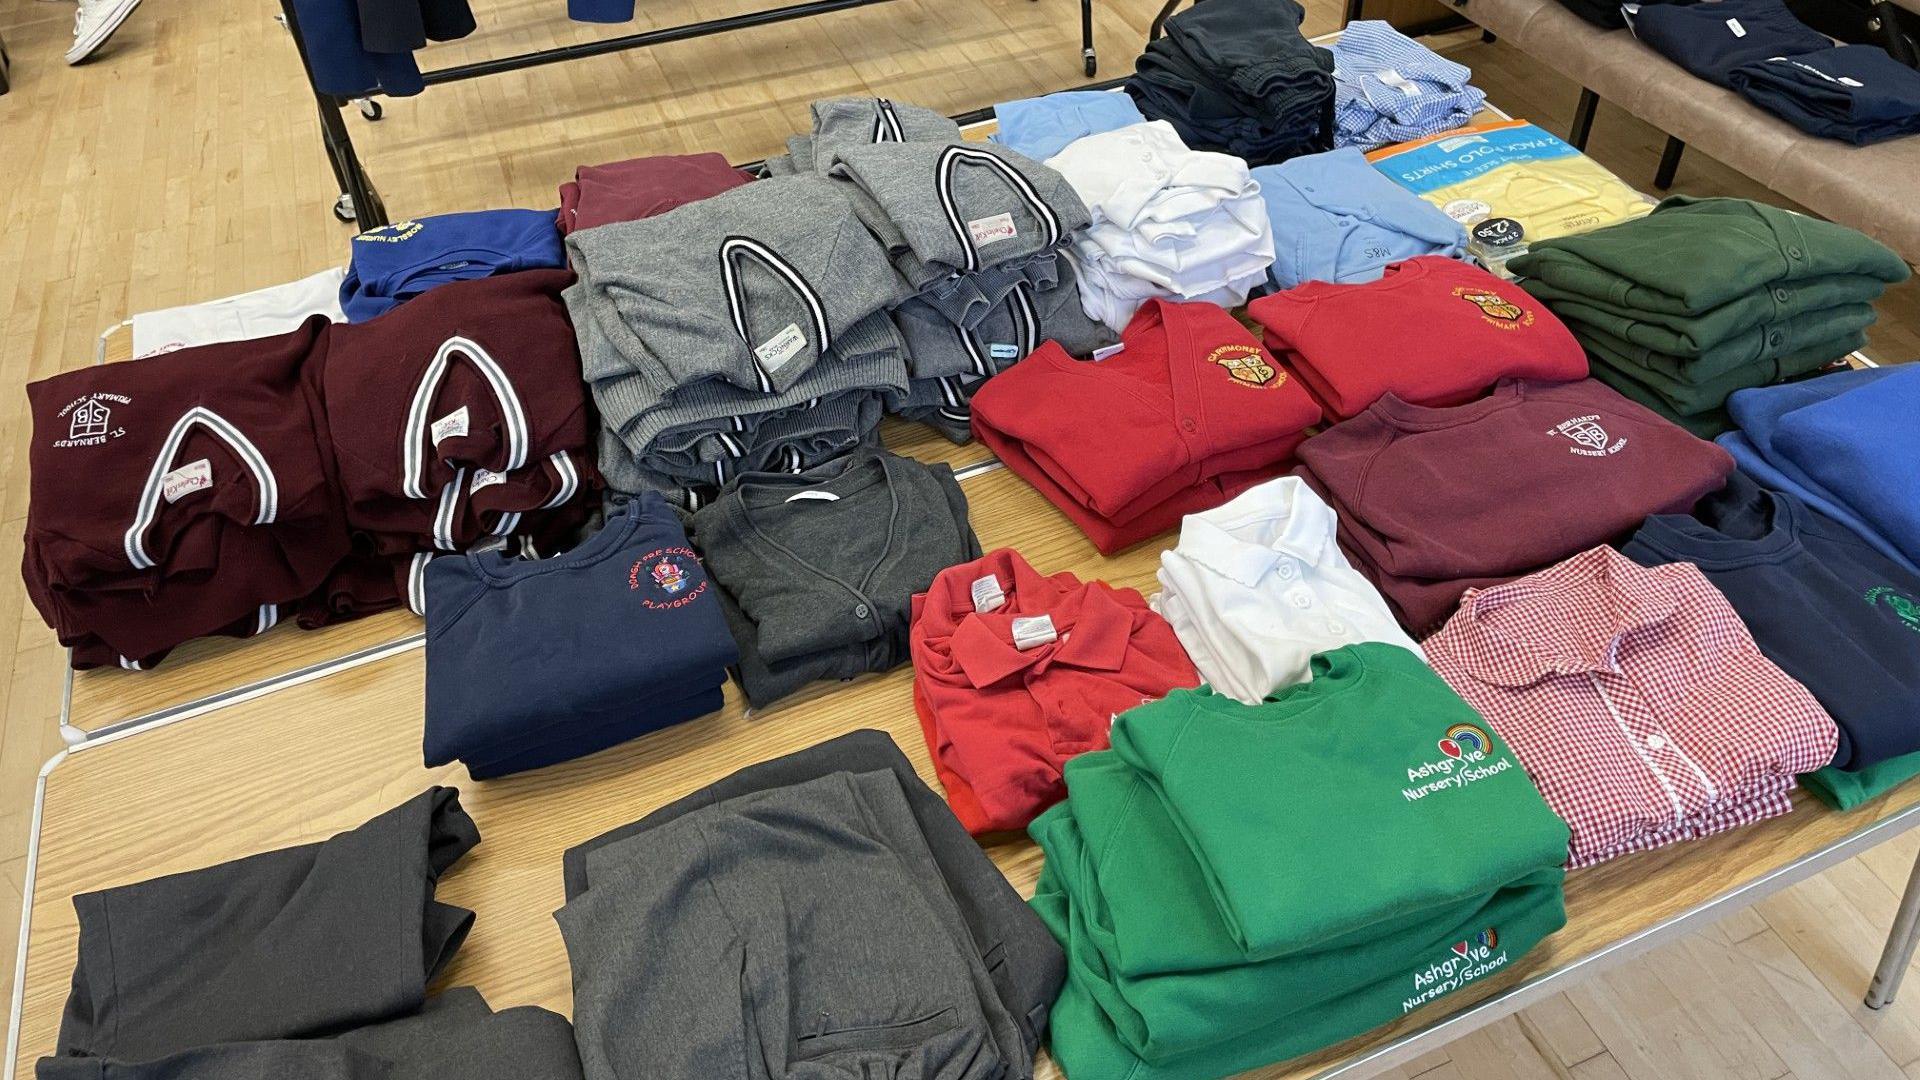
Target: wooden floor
(184, 164)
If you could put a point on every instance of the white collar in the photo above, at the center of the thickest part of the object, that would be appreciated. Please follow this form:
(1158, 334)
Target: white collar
(1244, 539)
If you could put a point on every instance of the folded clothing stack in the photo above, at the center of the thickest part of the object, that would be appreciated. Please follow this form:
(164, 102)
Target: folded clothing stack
(1841, 443)
(1335, 218)
(1016, 672)
(1786, 567)
(1206, 413)
(1511, 169)
(1710, 40)
(308, 962)
(1236, 76)
(179, 496)
(302, 473)
(977, 231)
(817, 570)
(829, 917)
(742, 332)
(840, 123)
(1456, 331)
(1855, 93)
(1388, 87)
(1167, 222)
(268, 312)
(1635, 699)
(1257, 586)
(1433, 501)
(395, 263)
(1200, 946)
(622, 636)
(1760, 49)
(1041, 127)
(1704, 297)
(494, 432)
(642, 187)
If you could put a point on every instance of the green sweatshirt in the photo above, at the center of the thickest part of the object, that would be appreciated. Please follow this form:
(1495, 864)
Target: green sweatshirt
(1846, 790)
(1695, 337)
(1752, 351)
(1235, 884)
(1692, 397)
(1691, 255)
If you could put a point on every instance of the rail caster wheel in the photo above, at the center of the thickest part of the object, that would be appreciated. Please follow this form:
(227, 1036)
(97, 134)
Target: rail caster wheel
(371, 109)
(1092, 64)
(343, 208)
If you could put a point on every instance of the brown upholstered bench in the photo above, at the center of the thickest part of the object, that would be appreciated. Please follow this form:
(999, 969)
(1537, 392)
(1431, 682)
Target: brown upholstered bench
(1875, 189)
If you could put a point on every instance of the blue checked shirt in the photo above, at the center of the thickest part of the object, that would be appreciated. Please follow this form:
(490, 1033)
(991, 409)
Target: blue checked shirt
(1390, 88)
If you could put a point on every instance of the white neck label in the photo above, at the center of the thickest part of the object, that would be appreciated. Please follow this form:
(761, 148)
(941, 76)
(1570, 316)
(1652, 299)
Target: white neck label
(989, 230)
(780, 348)
(451, 426)
(187, 479)
(1033, 633)
(987, 595)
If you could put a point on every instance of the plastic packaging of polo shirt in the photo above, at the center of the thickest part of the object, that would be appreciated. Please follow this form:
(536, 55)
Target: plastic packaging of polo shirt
(1510, 183)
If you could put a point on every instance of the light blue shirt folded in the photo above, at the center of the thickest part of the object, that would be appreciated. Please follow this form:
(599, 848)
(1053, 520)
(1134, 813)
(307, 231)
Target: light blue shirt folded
(1336, 218)
(1390, 88)
(1043, 126)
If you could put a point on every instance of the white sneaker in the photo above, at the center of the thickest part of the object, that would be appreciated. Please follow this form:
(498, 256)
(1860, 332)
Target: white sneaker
(95, 23)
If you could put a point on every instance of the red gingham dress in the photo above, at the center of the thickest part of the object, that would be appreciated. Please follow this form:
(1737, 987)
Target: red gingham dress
(1635, 699)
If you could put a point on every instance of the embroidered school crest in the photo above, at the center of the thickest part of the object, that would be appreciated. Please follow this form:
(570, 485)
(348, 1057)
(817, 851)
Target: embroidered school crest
(1589, 438)
(665, 569)
(1247, 366)
(1496, 309)
(1465, 740)
(1904, 607)
(668, 576)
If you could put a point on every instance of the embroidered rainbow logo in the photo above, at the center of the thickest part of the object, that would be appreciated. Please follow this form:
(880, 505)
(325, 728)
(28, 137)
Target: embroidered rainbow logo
(1465, 738)
(1486, 939)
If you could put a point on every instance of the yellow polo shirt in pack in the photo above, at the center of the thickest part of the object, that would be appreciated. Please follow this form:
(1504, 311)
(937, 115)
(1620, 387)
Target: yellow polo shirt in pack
(1511, 169)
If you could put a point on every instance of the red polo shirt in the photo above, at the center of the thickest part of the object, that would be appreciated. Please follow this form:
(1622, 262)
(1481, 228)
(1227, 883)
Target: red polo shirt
(1432, 331)
(1189, 412)
(1001, 720)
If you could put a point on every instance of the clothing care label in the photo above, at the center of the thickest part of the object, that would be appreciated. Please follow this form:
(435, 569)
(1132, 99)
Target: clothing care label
(1738, 30)
(780, 348)
(1398, 82)
(986, 230)
(1033, 632)
(1111, 350)
(1001, 350)
(451, 426)
(814, 496)
(187, 479)
(987, 594)
(485, 478)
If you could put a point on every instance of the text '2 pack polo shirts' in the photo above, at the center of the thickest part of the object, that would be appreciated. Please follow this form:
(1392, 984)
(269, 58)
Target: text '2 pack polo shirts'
(1257, 586)
(1015, 672)
(1237, 884)
(533, 662)
(1636, 700)
(1455, 331)
(1433, 501)
(817, 570)
(1204, 413)
(1820, 602)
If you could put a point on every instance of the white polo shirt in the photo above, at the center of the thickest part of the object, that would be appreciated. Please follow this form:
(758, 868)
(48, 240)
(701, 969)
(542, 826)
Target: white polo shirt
(1166, 221)
(276, 309)
(1257, 586)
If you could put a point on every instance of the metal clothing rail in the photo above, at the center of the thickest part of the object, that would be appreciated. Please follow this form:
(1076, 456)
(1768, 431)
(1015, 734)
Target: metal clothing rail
(360, 202)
